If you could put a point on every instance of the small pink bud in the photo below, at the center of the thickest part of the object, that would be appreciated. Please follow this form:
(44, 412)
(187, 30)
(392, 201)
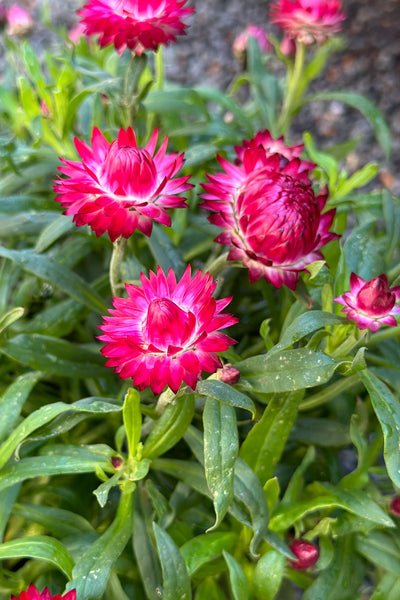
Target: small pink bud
(288, 46)
(307, 555)
(394, 506)
(117, 462)
(229, 374)
(46, 112)
(19, 20)
(240, 44)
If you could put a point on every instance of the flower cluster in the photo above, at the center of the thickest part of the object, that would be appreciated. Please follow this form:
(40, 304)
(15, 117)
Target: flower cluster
(166, 332)
(119, 187)
(33, 594)
(268, 210)
(134, 24)
(308, 21)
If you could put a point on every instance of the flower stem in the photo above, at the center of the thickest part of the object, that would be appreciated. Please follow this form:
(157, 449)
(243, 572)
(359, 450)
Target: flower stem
(294, 89)
(117, 256)
(159, 68)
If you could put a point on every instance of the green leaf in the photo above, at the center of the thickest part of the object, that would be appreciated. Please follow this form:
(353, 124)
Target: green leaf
(266, 441)
(54, 230)
(221, 446)
(48, 269)
(357, 180)
(321, 432)
(170, 427)
(7, 499)
(343, 577)
(324, 160)
(189, 472)
(176, 581)
(305, 324)
(207, 547)
(57, 521)
(45, 414)
(370, 112)
(132, 419)
(10, 317)
(91, 572)
(223, 392)
(237, 578)
(54, 356)
(288, 370)
(379, 548)
(209, 590)
(387, 410)
(145, 553)
(165, 253)
(39, 547)
(363, 253)
(387, 589)
(268, 575)
(13, 399)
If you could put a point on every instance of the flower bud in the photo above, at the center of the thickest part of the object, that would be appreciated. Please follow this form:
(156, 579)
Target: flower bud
(394, 506)
(19, 20)
(117, 462)
(307, 555)
(229, 374)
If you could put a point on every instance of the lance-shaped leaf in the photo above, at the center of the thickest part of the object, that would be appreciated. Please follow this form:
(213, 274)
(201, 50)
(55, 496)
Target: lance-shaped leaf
(225, 393)
(176, 581)
(221, 446)
(207, 547)
(237, 578)
(40, 547)
(305, 324)
(13, 399)
(132, 419)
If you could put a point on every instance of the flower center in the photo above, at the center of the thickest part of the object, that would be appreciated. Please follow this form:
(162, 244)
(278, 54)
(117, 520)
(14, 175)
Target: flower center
(129, 171)
(166, 324)
(375, 298)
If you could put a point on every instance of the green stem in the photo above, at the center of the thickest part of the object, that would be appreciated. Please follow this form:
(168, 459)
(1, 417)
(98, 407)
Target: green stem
(385, 334)
(159, 68)
(117, 256)
(217, 265)
(294, 89)
(343, 385)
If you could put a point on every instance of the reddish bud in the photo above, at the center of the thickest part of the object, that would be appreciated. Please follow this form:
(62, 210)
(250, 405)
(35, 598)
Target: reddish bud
(117, 462)
(394, 506)
(229, 374)
(307, 555)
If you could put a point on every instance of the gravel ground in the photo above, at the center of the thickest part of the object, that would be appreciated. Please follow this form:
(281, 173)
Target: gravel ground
(369, 64)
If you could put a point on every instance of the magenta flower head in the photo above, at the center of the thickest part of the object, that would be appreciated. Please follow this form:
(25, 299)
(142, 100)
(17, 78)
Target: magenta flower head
(241, 41)
(370, 304)
(135, 24)
(271, 217)
(33, 594)
(19, 20)
(308, 21)
(394, 506)
(120, 187)
(166, 332)
(307, 555)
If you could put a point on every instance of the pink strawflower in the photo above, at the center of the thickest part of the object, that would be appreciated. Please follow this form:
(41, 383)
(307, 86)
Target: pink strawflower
(76, 32)
(33, 594)
(120, 187)
(308, 21)
(19, 20)
(240, 43)
(370, 304)
(165, 332)
(135, 24)
(269, 212)
(307, 555)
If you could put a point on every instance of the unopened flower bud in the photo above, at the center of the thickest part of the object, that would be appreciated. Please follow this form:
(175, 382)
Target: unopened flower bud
(229, 374)
(307, 555)
(19, 20)
(117, 462)
(394, 506)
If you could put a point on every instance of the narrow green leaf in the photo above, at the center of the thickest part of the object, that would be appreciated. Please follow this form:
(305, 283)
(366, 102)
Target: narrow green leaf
(223, 392)
(266, 441)
(388, 588)
(91, 572)
(57, 521)
(54, 230)
(363, 253)
(176, 581)
(45, 414)
(209, 590)
(170, 427)
(221, 447)
(207, 547)
(237, 578)
(387, 410)
(305, 324)
(288, 370)
(369, 110)
(268, 575)
(10, 317)
(48, 269)
(132, 419)
(13, 399)
(7, 499)
(39, 547)
(55, 356)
